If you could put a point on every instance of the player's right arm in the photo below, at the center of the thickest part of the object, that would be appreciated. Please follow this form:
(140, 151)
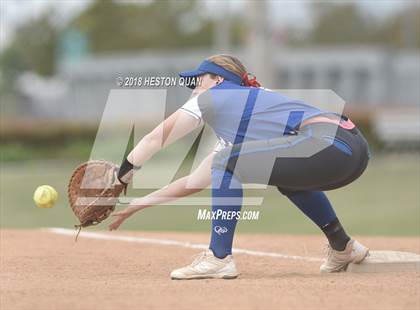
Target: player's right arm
(195, 182)
(170, 130)
(176, 126)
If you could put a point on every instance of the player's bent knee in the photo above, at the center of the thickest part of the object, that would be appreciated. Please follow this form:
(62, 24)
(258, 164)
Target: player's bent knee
(221, 160)
(287, 192)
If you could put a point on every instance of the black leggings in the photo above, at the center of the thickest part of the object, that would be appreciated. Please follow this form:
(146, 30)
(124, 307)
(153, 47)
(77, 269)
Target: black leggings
(319, 157)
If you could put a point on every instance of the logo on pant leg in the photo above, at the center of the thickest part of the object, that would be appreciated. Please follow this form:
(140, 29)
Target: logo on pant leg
(220, 230)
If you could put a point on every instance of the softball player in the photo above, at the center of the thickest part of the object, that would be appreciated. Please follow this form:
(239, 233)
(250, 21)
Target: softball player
(265, 138)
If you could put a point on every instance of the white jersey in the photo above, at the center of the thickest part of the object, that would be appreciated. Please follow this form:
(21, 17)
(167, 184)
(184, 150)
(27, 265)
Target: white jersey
(191, 107)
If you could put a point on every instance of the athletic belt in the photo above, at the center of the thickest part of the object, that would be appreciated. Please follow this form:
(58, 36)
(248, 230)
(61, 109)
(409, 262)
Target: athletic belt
(343, 123)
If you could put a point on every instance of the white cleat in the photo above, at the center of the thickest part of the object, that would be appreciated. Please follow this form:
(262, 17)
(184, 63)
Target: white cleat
(205, 266)
(339, 260)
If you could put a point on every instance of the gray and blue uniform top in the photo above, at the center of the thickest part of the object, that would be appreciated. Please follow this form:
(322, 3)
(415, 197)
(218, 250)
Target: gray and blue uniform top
(239, 113)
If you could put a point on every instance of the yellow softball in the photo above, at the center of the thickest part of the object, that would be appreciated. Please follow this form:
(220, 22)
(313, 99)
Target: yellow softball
(45, 196)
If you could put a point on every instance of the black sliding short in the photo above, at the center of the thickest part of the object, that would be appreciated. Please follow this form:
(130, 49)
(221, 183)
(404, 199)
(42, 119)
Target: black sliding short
(318, 157)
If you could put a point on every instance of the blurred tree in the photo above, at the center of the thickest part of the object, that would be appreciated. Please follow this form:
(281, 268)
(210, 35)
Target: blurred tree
(122, 26)
(402, 29)
(346, 23)
(109, 26)
(32, 48)
(340, 24)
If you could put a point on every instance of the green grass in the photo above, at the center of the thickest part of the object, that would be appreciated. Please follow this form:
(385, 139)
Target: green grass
(384, 201)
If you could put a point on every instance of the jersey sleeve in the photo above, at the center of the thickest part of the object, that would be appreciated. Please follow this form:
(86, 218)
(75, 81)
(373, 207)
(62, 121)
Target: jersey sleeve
(191, 107)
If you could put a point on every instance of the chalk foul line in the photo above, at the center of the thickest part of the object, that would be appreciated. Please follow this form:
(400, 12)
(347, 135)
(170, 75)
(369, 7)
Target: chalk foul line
(167, 242)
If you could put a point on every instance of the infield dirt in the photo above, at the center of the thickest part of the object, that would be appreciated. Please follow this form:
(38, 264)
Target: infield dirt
(41, 270)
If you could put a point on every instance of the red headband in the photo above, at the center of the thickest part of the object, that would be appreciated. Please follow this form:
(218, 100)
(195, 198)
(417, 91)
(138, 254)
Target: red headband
(250, 81)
